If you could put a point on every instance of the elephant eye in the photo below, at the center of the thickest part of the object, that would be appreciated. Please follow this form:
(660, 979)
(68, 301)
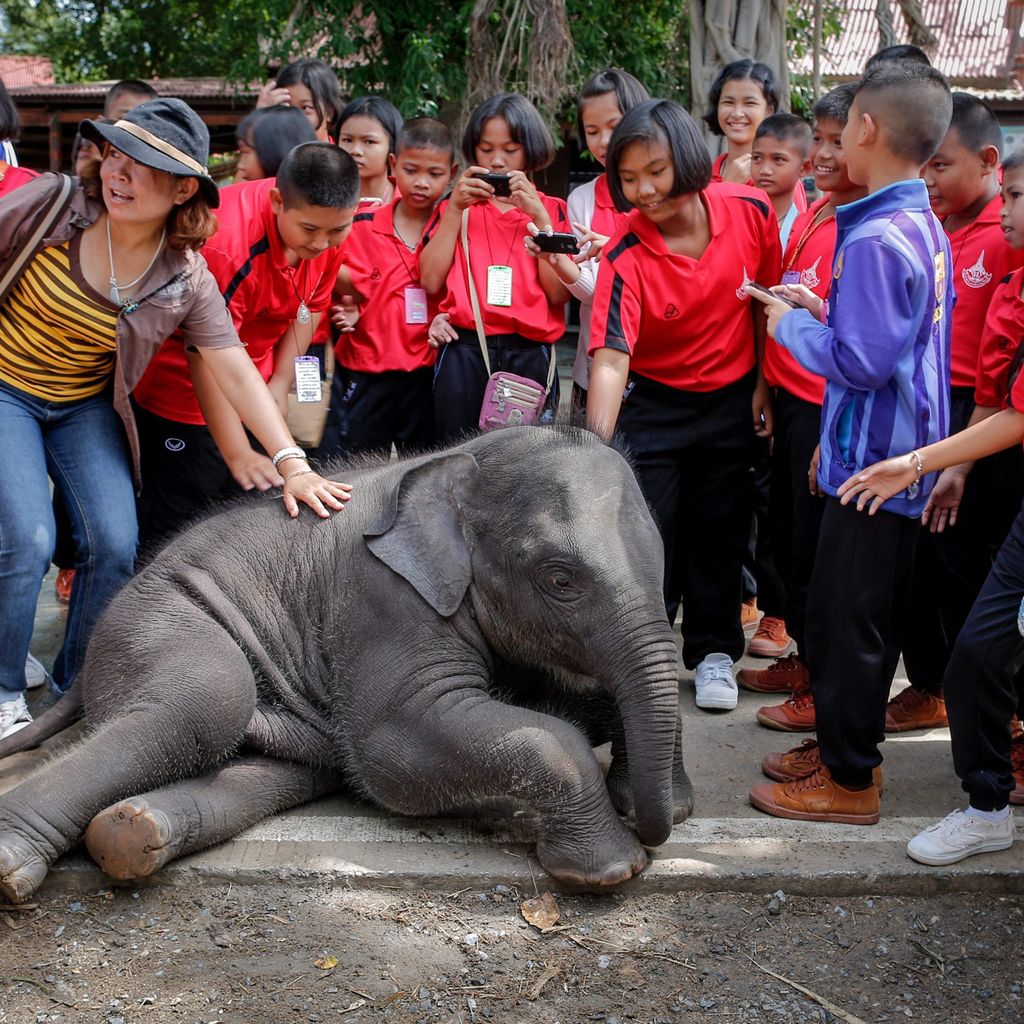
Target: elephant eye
(561, 581)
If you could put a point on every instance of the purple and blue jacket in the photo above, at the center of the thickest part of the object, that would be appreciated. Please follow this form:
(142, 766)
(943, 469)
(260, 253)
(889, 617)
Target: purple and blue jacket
(884, 351)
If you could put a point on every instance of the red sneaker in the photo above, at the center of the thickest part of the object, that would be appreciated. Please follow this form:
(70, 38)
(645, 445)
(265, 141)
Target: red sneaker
(771, 639)
(782, 676)
(63, 583)
(1017, 756)
(914, 709)
(817, 797)
(794, 715)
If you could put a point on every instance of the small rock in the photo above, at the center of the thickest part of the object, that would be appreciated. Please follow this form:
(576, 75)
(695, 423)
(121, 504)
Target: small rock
(604, 961)
(707, 1003)
(471, 939)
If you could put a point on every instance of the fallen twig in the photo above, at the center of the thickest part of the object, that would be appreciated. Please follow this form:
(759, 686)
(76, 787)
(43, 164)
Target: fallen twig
(836, 1011)
(549, 975)
(19, 908)
(42, 988)
(931, 954)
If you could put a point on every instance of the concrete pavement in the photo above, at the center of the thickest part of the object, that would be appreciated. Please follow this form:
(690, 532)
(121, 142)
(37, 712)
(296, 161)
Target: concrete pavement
(726, 845)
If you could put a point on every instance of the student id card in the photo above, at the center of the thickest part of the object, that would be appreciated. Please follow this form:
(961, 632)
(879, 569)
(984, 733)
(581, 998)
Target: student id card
(308, 387)
(499, 285)
(415, 305)
(791, 277)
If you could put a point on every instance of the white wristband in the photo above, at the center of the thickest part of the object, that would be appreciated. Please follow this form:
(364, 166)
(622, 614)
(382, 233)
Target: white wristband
(291, 452)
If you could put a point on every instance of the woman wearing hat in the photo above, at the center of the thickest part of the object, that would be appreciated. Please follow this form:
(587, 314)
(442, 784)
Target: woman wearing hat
(117, 274)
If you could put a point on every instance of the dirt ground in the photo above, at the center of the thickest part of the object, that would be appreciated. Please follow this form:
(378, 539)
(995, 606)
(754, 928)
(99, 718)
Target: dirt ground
(273, 954)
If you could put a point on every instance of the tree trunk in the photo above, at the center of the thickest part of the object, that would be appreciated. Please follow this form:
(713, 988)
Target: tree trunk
(886, 33)
(722, 31)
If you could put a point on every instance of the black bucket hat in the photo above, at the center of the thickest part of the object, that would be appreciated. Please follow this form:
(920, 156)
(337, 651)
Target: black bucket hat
(165, 134)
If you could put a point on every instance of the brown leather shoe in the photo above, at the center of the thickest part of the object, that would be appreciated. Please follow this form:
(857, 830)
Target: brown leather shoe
(799, 762)
(1017, 757)
(770, 640)
(794, 715)
(780, 676)
(914, 709)
(817, 797)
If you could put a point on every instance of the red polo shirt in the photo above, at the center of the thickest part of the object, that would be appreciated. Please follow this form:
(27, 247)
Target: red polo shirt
(607, 218)
(981, 259)
(799, 194)
(261, 290)
(812, 243)
(382, 268)
(497, 238)
(12, 177)
(1002, 336)
(686, 322)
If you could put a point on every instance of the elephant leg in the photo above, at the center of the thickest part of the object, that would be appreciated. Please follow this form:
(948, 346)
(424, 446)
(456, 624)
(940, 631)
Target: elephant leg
(483, 753)
(189, 715)
(620, 789)
(139, 835)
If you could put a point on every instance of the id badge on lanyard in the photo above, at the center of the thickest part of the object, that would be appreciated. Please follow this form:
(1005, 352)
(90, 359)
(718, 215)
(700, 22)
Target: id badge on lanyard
(499, 285)
(308, 386)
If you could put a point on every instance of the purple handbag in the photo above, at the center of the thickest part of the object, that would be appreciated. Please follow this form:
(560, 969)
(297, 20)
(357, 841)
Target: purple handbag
(509, 400)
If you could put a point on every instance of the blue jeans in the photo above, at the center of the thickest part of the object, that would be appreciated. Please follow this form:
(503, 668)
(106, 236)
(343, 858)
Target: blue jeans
(82, 446)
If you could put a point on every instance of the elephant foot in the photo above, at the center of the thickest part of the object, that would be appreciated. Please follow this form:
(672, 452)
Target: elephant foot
(22, 867)
(131, 839)
(607, 861)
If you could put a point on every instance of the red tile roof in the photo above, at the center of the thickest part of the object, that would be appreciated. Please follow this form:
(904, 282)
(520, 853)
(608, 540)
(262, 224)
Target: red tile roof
(16, 71)
(976, 38)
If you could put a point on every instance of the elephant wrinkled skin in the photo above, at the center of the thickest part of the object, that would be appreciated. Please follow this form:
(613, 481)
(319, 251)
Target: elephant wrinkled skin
(428, 648)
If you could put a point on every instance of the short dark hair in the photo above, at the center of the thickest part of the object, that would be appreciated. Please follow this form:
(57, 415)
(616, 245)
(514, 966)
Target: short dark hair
(736, 71)
(629, 93)
(1013, 161)
(911, 104)
(786, 128)
(426, 133)
(525, 126)
(899, 51)
(132, 86)
(318, 174)
(10, 123)
(382, 111)
(661, 121)
(321, 82)
(835, 104)
(975, 123)
(273, 132)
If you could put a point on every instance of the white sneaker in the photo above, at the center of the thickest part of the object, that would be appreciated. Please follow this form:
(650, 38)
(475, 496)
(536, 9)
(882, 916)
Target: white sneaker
(960, 835)
(13, 717)
(35, 674)
(715, 685)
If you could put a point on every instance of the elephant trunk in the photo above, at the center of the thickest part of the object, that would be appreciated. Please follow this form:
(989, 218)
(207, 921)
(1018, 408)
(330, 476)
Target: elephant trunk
(644, 677)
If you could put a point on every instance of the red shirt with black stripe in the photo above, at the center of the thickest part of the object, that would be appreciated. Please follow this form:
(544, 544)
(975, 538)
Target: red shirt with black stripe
(799, 193)
(496, 237)
(382, 267)
(262, 292)
(1002, 337)
(808, 261)
(981, 259)
(686, 322)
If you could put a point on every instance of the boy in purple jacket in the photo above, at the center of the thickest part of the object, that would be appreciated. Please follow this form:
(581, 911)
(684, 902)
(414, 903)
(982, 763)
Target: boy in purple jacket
(883, 349)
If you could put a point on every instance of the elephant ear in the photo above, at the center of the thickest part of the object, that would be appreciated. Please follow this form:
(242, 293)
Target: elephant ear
(420, 533)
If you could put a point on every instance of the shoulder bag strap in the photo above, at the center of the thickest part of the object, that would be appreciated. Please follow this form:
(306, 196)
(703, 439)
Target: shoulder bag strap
(478, 319)
(45, 225)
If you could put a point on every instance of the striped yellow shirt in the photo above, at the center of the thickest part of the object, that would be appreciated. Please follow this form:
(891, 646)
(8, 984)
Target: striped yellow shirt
(57, 339)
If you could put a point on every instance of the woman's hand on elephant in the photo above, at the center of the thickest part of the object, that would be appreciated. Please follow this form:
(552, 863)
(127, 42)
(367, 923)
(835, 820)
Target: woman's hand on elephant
(313, 490)
(252, 469)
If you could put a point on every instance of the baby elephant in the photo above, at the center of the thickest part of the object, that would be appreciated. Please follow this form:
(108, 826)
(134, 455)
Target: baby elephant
(427, 647)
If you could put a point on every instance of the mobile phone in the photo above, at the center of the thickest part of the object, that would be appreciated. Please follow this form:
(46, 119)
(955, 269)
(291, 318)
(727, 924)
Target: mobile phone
(781, 298)
(557, 241)
(500, 182)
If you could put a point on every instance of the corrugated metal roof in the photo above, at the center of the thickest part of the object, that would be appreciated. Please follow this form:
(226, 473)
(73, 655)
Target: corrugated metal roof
(16, 71)
(976, 39)
(183, 88)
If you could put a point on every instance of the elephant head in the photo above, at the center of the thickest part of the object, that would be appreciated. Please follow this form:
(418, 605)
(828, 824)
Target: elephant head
(545, 533)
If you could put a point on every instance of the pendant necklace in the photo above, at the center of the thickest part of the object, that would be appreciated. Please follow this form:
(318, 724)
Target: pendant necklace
(115, 288)
(302, 314)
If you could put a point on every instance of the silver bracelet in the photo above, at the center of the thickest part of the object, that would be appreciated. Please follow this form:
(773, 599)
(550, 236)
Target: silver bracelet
(918, 464)
(291, 452)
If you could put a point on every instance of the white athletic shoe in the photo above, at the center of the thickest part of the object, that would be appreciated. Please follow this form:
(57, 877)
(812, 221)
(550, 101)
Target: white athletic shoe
(35, 674)
(716, 688)
(13, 716)
(960, 835)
